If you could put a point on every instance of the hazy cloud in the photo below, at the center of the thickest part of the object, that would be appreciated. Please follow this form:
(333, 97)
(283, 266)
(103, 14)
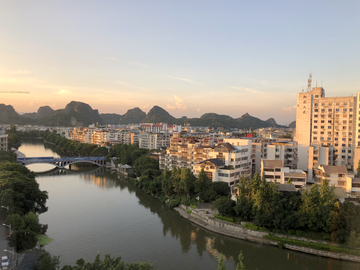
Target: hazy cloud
(145, 106)
(185, 80)
(14, 92)
(253, 91)
(143, 66)
(111, 58)
(289, 109)
(63, 92)
(179, 103)
(130, 85)
(198, 110)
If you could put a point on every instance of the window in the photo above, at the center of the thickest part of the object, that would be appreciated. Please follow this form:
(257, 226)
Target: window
(315, 138)
(322, 127)
(329, 127)
(315, 115)
(329, 121)
(322, 121)
(315, 121)
(316, 96)
(315, 126)
(344, 110)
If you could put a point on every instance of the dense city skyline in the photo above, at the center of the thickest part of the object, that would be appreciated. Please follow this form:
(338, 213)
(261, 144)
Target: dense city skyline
(188, 57)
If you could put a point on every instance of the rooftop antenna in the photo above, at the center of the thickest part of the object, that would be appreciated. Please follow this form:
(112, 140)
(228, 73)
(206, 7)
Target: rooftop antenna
(309, 82)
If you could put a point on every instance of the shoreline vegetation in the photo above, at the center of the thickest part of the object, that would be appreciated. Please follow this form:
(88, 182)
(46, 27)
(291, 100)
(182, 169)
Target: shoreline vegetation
(316, 214)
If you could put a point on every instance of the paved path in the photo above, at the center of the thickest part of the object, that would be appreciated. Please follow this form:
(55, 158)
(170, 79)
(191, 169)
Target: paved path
(4, 244)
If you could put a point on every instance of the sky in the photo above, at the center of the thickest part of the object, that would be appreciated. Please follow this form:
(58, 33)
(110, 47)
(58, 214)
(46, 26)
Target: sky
(188, 57)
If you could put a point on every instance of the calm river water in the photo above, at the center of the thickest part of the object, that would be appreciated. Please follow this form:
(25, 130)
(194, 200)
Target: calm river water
(93, 210)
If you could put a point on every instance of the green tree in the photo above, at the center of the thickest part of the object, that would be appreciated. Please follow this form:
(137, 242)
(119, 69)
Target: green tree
(225, 206)
(22, 240)
(221, 263)
(113, 263)
(202, 183)
(48, 262)
(240, 265)
(16, 221)
(188, 180)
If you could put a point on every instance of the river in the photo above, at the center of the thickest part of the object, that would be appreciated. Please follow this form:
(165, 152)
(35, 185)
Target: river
(93, 210)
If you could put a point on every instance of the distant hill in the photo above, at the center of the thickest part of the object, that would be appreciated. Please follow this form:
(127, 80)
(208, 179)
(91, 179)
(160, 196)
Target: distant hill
(247, 121)
(8, 115)
(131, 116)
(157, 115)
(41, 113)
(75, 114)
(292, 124)
(213, 120)
(81, 114)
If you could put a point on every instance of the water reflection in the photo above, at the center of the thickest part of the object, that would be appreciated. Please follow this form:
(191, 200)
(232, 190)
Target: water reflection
(110, 214)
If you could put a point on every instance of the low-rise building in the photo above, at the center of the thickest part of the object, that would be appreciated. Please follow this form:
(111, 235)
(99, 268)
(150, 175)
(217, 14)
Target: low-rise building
(3, 141)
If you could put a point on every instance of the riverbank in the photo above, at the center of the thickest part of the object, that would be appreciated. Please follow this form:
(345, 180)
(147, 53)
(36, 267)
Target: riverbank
(205, 219)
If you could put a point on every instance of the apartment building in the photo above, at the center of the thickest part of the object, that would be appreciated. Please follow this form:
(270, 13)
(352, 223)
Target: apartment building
(337, 176)
(327, 122)
(3, 141)
(227, 163)
(284, 150)
(184, 152)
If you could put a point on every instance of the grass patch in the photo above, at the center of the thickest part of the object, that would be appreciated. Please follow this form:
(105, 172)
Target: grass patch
(193, 205)
(224, 218)
(253, 227)
(44, 240)
(188, 211)
(317, 246)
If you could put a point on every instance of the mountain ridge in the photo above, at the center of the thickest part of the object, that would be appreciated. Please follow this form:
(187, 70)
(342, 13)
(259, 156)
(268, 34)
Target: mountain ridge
(77, 113)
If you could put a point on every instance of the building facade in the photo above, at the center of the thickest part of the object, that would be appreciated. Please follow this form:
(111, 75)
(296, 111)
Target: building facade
(327, 122)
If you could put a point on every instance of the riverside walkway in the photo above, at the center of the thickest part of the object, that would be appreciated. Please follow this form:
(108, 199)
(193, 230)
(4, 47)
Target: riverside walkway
(62, 162)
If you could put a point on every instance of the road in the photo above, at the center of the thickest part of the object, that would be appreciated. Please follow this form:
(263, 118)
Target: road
(3, 241)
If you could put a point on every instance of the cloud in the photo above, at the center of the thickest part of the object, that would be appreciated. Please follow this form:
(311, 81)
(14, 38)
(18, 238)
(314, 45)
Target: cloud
(143, 66)
(198, 110)
(179, 103)
(14, 92)
(130, 85)
(289, 109)
(63, 92)
(145, 106)
(185, 80)
(253, 91)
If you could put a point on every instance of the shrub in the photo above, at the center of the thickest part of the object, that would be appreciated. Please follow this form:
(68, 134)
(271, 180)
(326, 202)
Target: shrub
(188, 211)
(299, 233)
(251, 226)
(173, 203)
(224, 218)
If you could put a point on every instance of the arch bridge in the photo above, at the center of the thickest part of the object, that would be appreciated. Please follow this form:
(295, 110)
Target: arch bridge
(62, 162)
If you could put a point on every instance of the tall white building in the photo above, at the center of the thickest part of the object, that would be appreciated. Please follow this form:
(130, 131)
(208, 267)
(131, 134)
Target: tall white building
(326, 122)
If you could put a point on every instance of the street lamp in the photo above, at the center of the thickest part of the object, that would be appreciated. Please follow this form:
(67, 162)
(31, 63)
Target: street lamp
(6, 207)
(9, 226)
(12, 252)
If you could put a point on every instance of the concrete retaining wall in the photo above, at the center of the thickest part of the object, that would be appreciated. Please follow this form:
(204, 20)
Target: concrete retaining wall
(205, 220)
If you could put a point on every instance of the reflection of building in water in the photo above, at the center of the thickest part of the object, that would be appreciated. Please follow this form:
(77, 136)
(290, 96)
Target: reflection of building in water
(99, 181)
(210, 243)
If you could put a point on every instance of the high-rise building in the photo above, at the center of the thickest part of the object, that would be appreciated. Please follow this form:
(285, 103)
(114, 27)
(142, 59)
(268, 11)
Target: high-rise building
(326, 125)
